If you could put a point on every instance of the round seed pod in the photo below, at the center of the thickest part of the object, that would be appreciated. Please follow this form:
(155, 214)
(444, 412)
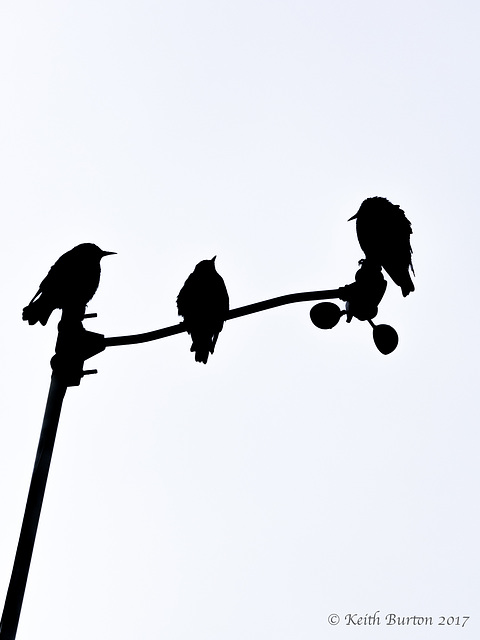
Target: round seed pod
(385, 338)
(325, 315)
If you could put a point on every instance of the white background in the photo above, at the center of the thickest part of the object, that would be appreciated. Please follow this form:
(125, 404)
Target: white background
(299, 473)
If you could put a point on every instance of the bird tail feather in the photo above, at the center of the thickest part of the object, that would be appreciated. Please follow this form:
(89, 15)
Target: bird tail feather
(37, 311)
(201, 352)
(201, 355)
(408, 287)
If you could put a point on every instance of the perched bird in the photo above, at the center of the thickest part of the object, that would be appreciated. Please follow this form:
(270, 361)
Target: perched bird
(203, 303)
(383, 232)
(69, 284)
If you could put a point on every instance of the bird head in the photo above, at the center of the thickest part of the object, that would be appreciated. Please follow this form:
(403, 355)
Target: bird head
(205, 266)
(373, 206)
(90, 249)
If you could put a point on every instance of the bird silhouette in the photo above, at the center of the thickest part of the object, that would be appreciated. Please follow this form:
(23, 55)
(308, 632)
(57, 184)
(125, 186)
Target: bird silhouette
(383, 232)
(69, 284)
(203, 303)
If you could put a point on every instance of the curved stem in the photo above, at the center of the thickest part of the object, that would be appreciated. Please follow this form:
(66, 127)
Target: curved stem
(233, 313)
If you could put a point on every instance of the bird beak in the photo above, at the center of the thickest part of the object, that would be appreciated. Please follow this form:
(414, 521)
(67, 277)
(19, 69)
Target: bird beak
(353, 217)
(109, 253)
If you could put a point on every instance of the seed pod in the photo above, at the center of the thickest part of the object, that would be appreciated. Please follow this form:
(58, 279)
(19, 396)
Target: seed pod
(325, 315)
(385, 338)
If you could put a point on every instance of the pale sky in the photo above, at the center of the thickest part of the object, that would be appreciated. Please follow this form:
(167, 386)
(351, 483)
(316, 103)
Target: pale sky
(300, 473)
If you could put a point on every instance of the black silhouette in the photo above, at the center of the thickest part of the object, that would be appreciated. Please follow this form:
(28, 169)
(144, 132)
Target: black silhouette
(383, 232)
(365, 294)
(385, 338)
(70, 284)
(203, 303)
